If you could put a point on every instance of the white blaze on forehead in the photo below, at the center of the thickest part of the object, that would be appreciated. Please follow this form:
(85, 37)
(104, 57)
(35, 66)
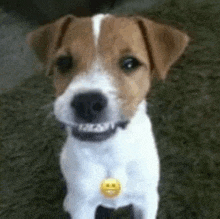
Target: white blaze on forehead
(96, 23)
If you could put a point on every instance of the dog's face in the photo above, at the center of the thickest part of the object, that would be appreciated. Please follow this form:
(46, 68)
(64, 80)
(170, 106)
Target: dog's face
(102, 68)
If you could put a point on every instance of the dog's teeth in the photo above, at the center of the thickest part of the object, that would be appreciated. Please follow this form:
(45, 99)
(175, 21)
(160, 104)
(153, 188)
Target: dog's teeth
(105, 126)
(89, 127)
(112, 125)
(99, 128)
(95, 127)
(80, 127)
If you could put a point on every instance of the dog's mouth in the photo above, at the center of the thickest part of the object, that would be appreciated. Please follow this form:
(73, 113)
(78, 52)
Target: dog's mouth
(96, 132)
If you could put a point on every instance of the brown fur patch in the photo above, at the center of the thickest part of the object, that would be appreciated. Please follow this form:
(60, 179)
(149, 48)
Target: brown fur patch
(155, 46)
(121, 37)
(79, 43)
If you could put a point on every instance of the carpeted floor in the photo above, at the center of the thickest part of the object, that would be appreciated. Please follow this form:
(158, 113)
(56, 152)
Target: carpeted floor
(185, 112)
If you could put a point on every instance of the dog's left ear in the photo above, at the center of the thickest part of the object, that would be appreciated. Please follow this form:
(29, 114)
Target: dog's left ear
(164, 43)
(47, 39)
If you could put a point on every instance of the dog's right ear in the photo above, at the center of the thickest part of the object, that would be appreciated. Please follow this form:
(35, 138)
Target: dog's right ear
(165, 44)
(47, 39)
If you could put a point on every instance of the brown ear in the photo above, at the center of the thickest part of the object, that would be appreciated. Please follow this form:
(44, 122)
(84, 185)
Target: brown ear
(165, 44)
(47, 39)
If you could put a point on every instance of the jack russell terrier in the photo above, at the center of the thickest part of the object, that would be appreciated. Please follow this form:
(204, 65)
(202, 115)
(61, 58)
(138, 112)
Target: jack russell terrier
(102, 69)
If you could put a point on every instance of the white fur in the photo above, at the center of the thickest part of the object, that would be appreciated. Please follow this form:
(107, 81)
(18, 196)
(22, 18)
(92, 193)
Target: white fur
(97, 21)
(96, 79)
(129, 156)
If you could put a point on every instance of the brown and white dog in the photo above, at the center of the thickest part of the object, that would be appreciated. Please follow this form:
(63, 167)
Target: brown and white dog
(102, 70)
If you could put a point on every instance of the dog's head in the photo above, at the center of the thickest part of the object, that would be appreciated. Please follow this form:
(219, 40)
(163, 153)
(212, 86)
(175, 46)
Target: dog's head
(102, 67)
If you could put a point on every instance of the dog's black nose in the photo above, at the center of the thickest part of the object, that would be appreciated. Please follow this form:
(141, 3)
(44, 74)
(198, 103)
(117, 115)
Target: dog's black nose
(89, 106)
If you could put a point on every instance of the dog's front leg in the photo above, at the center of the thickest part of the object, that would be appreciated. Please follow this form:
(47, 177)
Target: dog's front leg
(148, 209)
(79, 209)
(152, 201)
(84, 211)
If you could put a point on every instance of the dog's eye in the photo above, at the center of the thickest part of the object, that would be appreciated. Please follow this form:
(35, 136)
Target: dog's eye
(64, 63)
(129, 63)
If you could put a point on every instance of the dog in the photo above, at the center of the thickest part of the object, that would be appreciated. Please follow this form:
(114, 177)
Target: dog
(102, 68)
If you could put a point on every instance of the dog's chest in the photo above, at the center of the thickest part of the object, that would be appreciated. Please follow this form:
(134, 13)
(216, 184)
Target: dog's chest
(130, 157)
(86, 168)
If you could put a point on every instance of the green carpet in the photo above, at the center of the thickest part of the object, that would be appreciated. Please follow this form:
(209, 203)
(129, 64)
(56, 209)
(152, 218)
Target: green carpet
(185, 112)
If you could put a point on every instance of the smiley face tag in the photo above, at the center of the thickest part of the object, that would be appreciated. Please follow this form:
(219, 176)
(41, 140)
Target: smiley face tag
(110, 188)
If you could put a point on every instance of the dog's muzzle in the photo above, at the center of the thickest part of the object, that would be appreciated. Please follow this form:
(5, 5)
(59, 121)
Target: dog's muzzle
(89, 110)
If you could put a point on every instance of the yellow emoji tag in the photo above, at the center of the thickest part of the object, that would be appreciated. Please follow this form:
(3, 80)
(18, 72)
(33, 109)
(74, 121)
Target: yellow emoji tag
(110, 188)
